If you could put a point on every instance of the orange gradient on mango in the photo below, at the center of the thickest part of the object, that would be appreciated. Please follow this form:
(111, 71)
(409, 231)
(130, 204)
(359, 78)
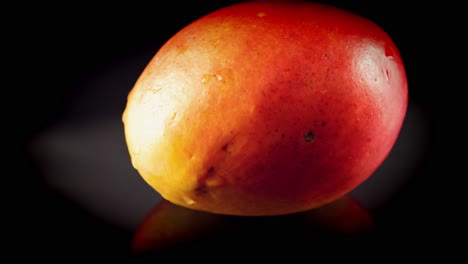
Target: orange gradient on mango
(266, 108)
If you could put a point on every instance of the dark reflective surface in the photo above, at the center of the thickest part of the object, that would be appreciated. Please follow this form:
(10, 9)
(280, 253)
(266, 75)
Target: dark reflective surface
(71, 192)
(170, 230)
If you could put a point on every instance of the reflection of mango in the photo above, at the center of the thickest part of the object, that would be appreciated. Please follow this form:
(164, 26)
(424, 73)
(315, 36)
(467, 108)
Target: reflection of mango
(266, 108)
(169, 226)
(343, 216)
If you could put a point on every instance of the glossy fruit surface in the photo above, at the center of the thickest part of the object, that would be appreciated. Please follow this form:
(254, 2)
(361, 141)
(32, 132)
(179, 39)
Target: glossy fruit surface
(266, 108)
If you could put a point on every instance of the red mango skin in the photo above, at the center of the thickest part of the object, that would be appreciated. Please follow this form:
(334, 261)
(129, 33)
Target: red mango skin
(267, 108)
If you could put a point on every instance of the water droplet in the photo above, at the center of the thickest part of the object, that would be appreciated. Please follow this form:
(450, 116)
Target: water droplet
(187, 200)
(174, 115)
(206, 78)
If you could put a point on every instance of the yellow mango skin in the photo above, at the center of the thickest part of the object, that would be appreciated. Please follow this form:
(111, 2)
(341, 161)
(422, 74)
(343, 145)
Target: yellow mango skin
(266, 108)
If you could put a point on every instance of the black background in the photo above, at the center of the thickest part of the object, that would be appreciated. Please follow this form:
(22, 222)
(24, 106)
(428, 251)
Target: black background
(58, 47)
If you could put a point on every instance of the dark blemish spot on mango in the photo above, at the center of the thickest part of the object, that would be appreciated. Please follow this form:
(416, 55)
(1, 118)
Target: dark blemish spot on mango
(210, 171)
(225, 147)
(309, 136)
(324, 123)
